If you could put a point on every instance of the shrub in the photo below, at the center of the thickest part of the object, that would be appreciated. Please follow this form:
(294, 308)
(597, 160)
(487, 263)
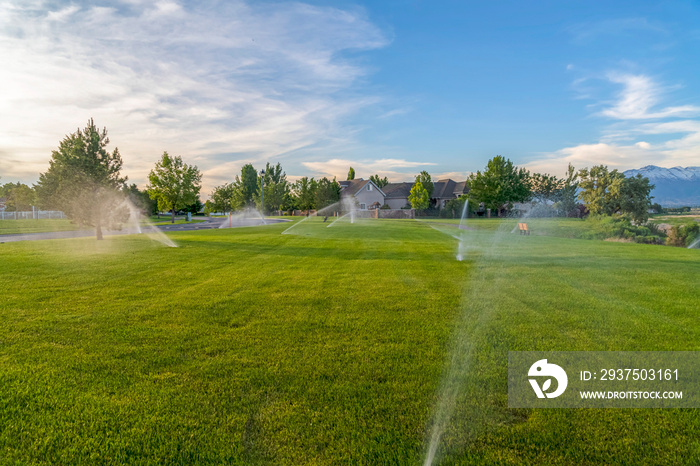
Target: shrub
(683, 235)
(620, 226)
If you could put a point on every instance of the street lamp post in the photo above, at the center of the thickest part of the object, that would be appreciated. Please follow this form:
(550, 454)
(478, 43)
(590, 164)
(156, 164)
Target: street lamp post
(262, 194)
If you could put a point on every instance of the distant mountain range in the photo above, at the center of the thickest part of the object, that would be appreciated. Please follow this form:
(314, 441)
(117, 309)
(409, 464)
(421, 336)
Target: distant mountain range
(675, 186)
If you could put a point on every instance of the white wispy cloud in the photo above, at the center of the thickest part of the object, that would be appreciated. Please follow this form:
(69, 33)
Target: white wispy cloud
(215, 82)
(639, 96)
(586, 32)
(623, 144)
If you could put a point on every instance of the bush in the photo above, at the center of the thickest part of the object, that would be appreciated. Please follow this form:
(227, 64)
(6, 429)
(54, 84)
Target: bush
(683, 235)
(620, 226)
(385, 207)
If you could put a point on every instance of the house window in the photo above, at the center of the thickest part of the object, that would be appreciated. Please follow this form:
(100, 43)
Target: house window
(363, 206)
(369, 187)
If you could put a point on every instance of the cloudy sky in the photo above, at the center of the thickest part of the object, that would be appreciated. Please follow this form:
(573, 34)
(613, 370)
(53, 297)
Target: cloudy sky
(390, 87)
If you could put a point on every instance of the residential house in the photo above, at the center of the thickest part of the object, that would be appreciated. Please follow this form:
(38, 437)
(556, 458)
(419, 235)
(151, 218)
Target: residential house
(365, 194)
(395, 195)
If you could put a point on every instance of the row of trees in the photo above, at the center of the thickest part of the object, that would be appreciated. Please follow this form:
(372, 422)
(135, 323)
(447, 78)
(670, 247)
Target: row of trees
(597, 190)
(18, 196)
(84, 181)
(250, 189)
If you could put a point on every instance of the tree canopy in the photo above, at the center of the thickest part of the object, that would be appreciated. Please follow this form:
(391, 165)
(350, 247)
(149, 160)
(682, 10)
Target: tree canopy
(18, 196)
(223, 198)
(380, 182)
(83, 180)
(500, 185)
(174, 184)
(276, 189)
(304, 193)
(351, 174)
(327, 192)
(419, 197)
(609, 192)
(244, 188)
(424, 178)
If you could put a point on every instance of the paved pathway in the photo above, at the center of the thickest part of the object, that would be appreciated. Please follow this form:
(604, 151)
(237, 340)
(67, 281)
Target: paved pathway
(208, 224)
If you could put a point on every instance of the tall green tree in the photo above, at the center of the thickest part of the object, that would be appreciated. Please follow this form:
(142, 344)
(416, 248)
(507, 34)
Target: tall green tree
(351, 174)
(174, 184)
(84, 180)
(424, 178)
(223, 197)
(601, 189)
(245, 188)
(380, 182)
(544, 187)
(327, 192)
(141, 199)
(276, 189)
(18, 197)
(636, 198)
(607, 192)
(500, 185)
(566, 196)
(304, 193)
(419, 197)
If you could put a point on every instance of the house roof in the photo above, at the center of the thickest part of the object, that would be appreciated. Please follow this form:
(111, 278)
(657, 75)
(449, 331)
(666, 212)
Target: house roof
(352, 187)
(443, 189)
(397, 190)
(461, 188)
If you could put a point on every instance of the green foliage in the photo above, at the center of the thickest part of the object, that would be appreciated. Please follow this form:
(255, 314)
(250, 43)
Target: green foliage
(657, 208)
(454, 207)
(224, 197)
(544, 187)
(620, 227)
(141, 200)
(635, 198)
(424, 178)
(601, 189)
(608, 192)
(18, 197)
(276, 189)
(500, 185)
(566, 199)
(174, 184)
(209, 208)
(351, 174)
(244, 188)
(380, 182)
(83, 180)
(327, 193)
(304, 193)
(683, 235)
(419, 198)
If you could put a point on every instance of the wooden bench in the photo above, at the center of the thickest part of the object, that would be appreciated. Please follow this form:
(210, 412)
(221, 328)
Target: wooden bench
(524, 230)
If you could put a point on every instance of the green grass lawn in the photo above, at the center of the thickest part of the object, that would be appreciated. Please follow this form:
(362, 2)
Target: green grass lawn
(328, 345)
(13, 227)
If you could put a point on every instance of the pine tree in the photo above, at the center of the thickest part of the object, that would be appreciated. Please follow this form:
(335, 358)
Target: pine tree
(83, 180)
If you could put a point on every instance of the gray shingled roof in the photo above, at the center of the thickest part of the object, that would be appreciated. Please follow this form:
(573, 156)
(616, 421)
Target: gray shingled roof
(352, 187)
(443, 189)
(397, 190)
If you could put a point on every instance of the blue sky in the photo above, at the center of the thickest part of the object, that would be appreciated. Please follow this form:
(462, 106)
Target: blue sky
(389, 87)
